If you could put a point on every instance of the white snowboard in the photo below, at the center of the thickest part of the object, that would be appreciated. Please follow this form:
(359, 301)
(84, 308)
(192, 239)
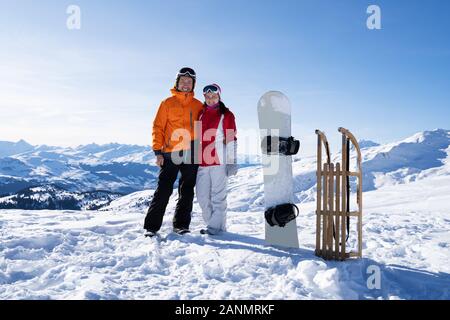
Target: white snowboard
(274, 113)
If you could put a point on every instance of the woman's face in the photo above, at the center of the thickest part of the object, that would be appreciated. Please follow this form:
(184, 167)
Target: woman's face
(185, 84)
(212, 98)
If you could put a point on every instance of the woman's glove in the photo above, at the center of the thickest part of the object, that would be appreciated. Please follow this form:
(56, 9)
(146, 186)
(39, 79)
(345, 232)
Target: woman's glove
(232, 169)
(231, 150)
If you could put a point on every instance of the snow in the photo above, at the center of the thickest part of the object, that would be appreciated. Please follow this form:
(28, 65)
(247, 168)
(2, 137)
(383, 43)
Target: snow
(103, 254)
(138, 201)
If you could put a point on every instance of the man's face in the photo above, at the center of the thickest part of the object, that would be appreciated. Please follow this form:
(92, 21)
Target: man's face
(186, 84)
(211, 98)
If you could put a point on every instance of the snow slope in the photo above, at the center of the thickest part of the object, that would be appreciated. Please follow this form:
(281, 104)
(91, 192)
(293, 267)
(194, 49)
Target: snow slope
(103, 255)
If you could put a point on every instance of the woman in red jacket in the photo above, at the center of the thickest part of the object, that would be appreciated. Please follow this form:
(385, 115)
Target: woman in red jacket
(218, 159)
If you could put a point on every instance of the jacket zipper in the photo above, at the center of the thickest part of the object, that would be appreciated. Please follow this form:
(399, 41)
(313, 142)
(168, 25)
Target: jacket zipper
(167, 142)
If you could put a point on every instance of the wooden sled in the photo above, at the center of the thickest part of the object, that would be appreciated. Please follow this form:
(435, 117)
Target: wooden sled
(333, 200)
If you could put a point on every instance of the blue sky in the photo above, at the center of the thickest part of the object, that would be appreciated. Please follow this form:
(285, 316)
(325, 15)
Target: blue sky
(103, 83)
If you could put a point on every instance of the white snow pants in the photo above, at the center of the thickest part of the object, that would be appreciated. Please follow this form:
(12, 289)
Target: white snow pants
(211, 192)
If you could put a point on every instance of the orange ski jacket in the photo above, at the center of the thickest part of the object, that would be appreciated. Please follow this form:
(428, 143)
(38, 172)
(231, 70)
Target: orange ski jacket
(174, 125)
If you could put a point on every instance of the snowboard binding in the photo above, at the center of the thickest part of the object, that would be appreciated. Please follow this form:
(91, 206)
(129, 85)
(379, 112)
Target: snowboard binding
(281, 215)
(333, 199)
(272, 145)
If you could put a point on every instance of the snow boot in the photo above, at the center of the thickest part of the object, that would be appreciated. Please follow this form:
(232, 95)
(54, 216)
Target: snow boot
(150, 234)
(181, 231)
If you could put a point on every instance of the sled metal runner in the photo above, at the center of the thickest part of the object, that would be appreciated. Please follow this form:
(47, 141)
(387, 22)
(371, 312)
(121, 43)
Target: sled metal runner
(333, 199)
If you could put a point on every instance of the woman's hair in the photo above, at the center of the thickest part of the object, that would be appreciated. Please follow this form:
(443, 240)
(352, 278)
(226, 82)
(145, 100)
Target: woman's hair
(222, 108)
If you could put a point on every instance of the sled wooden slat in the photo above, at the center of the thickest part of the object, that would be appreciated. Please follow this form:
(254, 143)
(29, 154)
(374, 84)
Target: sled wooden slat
(337, 212)
(332, 208)
(325, 209)
(330, 211)
(350, 174)
(347, 214)
(353, 174)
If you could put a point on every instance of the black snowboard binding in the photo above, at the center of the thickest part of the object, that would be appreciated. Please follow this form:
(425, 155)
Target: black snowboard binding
(279, 145)
(281, 215)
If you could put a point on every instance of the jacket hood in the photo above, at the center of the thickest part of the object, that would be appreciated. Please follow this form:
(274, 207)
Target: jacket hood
(182, 95)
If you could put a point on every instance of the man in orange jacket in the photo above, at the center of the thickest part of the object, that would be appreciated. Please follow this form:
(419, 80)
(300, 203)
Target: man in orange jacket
(173, 144)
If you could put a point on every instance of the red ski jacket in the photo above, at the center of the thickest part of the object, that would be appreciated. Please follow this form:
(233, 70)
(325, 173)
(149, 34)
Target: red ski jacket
(217, 145)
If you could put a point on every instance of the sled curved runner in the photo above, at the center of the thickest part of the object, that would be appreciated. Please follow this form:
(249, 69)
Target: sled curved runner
(333, 199)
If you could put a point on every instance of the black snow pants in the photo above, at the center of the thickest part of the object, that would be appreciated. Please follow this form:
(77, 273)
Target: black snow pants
(167, 176)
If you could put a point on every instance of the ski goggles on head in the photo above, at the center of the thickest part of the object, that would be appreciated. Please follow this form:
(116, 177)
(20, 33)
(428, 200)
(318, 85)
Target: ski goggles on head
(211, 89)
(187, 72)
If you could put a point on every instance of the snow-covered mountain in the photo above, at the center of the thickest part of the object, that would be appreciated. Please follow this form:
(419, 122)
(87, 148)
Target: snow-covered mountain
(421, 155)
(127, 168)
(113, 167)
(367, 144)
(55, 198)
(12, 148)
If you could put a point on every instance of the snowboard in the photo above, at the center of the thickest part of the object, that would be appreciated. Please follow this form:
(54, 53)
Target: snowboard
(274, 114)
